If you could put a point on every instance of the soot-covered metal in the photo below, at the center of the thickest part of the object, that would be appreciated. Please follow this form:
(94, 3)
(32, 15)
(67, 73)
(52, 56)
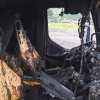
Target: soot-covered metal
(43, 68)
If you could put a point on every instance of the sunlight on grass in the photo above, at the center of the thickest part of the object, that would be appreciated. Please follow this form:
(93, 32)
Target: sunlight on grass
(63, 26)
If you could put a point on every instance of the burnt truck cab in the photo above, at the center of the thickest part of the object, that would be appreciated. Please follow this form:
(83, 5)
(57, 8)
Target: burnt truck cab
(34, 14)
(34, 17)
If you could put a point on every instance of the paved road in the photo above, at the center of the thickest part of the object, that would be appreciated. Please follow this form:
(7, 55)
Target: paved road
(66, 39)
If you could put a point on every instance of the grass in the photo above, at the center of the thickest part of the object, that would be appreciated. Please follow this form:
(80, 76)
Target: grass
(63, 26)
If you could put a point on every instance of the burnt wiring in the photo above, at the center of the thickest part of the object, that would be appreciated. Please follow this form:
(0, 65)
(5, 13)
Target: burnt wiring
(82, 25)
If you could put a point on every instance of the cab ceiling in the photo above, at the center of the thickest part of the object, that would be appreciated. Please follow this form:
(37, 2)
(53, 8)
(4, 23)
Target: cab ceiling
(70, 5)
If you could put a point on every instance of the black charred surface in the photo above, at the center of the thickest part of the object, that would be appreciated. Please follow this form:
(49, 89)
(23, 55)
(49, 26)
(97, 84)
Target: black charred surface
(77, 5)
(33, 14)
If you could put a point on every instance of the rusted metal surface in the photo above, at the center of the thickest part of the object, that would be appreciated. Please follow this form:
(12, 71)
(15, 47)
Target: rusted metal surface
(32, 83)
(10, 83)
(27, 51)
(10, 72)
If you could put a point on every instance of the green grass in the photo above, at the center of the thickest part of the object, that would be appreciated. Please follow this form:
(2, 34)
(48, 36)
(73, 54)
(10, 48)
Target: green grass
(63, 26)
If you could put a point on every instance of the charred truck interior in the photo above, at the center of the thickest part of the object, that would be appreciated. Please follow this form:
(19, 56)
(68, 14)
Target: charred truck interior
(48, 71)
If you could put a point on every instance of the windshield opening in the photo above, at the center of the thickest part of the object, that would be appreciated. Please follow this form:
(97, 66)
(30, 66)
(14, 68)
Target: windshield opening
(63, 29)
